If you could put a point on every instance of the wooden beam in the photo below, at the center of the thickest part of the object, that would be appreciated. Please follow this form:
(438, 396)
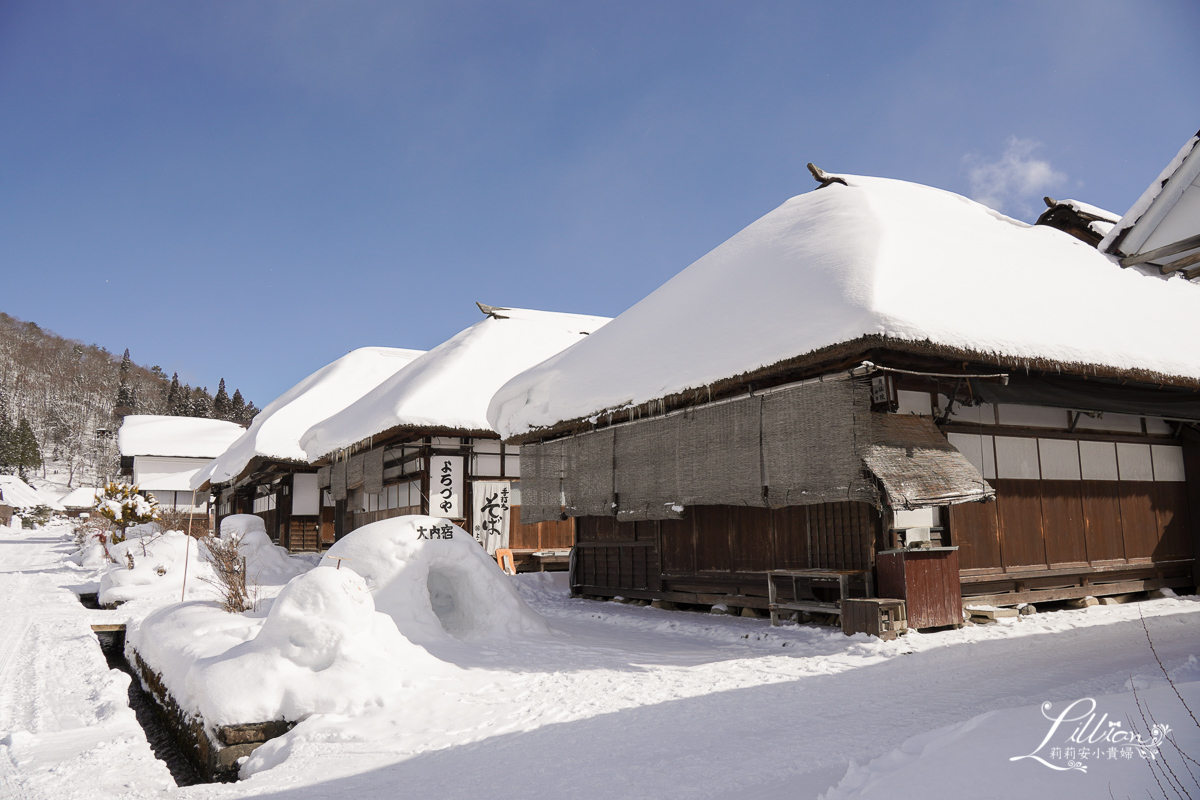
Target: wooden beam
(1186, 261)
(1076, 592)
(1182, 246)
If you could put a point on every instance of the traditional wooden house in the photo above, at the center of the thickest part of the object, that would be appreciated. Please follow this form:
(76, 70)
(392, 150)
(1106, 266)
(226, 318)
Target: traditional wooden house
(265, 472)
(161, 454)
(18, 497)
(78, 502)
(884, 379)
(420, 442)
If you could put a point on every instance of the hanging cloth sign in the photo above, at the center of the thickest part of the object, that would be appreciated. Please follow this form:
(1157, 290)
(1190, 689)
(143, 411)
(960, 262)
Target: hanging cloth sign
(490, 504)
(446, 486)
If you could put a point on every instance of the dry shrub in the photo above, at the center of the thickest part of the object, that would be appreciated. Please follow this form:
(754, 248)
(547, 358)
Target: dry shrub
(229, 567)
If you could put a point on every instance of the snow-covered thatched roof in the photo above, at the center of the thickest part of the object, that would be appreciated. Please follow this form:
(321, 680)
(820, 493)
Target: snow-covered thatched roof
(449, 387)
(1163, 227)
(182, 437)
(83, 497)
(18, 494)
(276, 430)
(876, 258)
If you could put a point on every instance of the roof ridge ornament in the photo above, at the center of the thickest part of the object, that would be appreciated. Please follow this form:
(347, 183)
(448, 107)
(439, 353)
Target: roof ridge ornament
(824, 178)
(491, 311)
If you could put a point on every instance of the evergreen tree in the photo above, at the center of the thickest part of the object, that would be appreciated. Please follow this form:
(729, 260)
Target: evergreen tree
(202, 404)
(126, 396)
(221, 403)
(174, 396)
(8, 457)
(250, 413)
(237, 407)
(25, 448)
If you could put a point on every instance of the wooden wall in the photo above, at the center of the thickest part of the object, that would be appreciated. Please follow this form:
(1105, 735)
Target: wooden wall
(1041, 524)
(716, 553)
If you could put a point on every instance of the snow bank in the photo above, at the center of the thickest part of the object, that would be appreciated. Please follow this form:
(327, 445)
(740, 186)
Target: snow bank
(876, 257)
(157, 571)
(266, 562)
(435, 581)
(158, 562)
(185, 437)
(322, 649)
(450, 386)
(276, 430)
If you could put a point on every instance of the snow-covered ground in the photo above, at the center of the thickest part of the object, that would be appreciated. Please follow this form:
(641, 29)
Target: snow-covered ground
(625, 701)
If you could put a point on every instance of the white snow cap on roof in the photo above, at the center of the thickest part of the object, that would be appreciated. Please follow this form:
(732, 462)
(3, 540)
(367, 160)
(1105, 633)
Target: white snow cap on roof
(185, 437)
(1166, 213)
(276, 430)
(450, 386)
(878, 256)
(19, 494)
(83, 497)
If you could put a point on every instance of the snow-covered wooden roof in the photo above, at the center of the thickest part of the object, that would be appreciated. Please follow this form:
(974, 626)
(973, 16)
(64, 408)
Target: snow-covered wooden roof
(83, 497)
(18, 494)
(276, 430)
(879, 258)
(449, 387)
(183, 437)
(1162, 229)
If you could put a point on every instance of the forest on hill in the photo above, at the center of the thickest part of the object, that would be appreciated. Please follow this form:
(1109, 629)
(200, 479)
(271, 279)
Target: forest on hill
(70, 397)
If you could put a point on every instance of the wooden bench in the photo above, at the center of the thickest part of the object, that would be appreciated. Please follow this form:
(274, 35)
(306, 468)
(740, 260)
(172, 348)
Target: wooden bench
(816, 591)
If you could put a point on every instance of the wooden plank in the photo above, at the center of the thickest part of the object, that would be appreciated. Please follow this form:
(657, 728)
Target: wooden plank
(712, 538)
(1139, 523)
(1171, 509)
(1091, 569)
(752, 540)
(1102, 520)
(1191, 468)
(1019, 510)
(678, 546)
(975, 529)
(1063, 523)
(1074, 593)
(790, 528)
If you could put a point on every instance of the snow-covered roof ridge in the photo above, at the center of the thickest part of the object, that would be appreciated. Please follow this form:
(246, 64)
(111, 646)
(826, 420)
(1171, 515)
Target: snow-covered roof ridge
(876, 258)
(276, 430)
(183, 437)
(450, 386)
(16, 493)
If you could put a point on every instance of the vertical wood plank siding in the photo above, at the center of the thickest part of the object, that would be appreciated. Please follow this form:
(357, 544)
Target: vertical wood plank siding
(1058, 524)
(714, 545)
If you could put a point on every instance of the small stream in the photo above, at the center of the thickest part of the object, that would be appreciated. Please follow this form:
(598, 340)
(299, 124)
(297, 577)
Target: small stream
(157, 729)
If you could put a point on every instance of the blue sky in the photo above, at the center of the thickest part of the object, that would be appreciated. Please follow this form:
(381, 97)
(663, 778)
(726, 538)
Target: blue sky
(252, 189)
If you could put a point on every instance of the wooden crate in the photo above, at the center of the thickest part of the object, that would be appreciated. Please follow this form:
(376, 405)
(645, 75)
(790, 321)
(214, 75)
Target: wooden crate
(879, 616)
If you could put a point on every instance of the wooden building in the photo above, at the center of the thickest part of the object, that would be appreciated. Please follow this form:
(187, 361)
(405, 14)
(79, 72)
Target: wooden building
(872, 368)
(420, 443)
(162, 454)
(265, 471)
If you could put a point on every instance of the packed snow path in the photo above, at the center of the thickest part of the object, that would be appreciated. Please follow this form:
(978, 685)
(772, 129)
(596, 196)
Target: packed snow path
(621, 702)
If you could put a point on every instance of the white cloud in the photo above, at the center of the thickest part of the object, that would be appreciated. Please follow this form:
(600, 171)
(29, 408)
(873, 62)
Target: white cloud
(1014, 182)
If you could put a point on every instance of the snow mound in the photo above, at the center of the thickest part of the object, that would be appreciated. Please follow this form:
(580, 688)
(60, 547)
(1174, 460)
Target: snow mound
(323, 649)
(435, 581)
(157, 570)
(266, 562)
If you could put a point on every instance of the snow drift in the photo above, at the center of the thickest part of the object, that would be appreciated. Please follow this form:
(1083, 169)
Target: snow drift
(435, 581)
(322, 649)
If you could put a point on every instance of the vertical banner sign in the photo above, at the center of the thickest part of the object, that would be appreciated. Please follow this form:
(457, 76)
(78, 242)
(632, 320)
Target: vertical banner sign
(490, 501)
(446, 486)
